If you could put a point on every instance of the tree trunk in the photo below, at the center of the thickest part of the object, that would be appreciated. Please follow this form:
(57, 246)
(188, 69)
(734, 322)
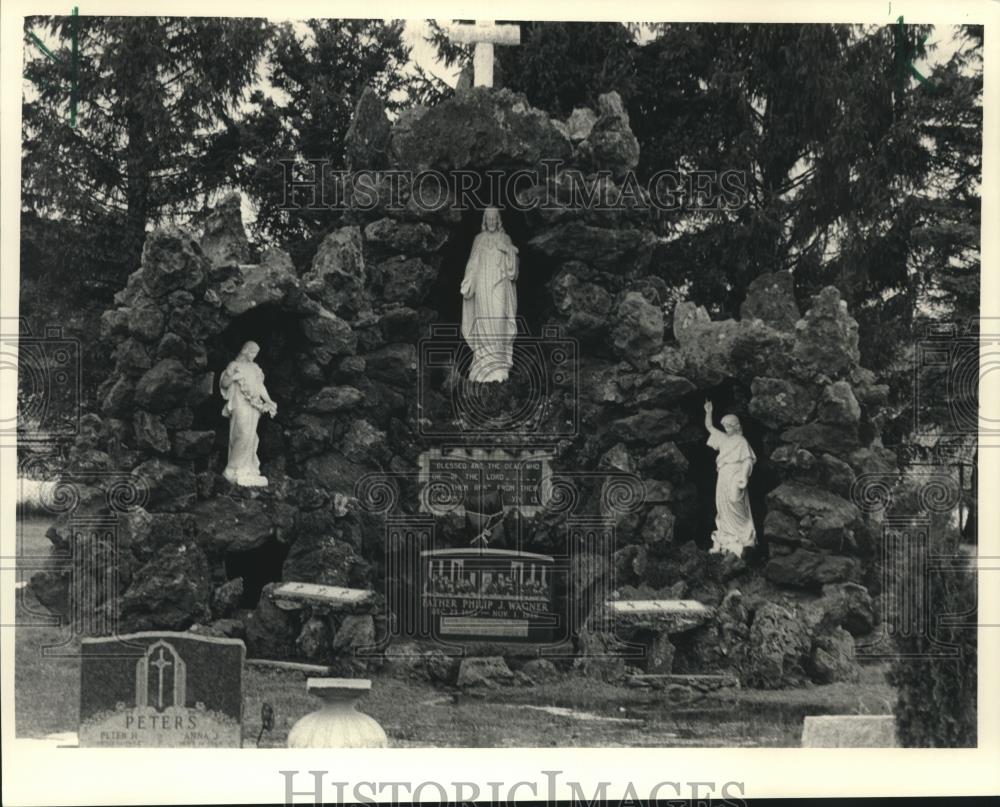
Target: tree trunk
(136, 191)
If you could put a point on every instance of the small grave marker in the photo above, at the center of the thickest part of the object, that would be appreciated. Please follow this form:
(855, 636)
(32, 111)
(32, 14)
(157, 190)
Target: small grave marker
(849, 731)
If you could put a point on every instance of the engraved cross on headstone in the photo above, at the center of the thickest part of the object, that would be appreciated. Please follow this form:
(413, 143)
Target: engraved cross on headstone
(161, 663)
(485, 34)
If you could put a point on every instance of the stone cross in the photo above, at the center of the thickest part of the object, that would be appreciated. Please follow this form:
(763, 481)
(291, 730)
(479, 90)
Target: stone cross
(485, 34)
(161, 663)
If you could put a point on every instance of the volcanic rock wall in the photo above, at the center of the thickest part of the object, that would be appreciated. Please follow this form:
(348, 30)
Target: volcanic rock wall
(340, 341)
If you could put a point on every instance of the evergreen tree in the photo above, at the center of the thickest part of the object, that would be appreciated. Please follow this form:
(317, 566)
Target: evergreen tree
(316, 77)
(154, 99)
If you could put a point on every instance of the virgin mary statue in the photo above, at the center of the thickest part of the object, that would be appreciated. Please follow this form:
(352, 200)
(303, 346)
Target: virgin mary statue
(489, 304)
(242, 387)
(734, 529)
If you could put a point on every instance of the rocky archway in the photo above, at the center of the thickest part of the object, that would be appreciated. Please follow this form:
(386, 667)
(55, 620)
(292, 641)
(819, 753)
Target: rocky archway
(351, 327)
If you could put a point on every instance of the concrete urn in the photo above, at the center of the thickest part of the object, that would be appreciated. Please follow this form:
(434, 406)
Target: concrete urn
(337, 723)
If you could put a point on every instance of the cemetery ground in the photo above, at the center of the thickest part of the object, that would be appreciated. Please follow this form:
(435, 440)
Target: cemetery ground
(574, 711)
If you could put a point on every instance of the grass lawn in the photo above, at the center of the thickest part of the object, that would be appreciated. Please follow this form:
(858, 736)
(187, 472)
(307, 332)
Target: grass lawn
(572, 712)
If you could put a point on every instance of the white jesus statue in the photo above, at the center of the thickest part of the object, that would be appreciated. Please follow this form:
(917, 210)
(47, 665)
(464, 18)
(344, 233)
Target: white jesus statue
(734, 529)
(242, 387)
(489, 304)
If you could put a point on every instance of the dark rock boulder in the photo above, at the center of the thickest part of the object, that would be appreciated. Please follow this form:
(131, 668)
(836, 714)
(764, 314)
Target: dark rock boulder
(171, 487)
(798, 462)
(778, 402)
(779, 648)
(650, 426)
(131, 357)
(838, 406)
(338, 276)
(610, 144)
(326, 559)
(612, 250)
(118, 397)
(658, 529)
(395, 364)
(271, 281)
(335, 399)
(781, 526)
(313, 641)
(144, 534)
(705, 346)
(826, 338)
(189, 445)
(171, 260)
(164, 386)
(583, 306)
(843, 605)
(150, 433)
(271, 631)
(352, 644)
(839, 441)
(481, 128)
(171, 592)
(771, 299)
(637, 327)
(833, 658)
(487, 672)
(835, 475)
(665, 462)
(145, 321)
(659, 388)
(231, 524)
(403, 280)
(334, 472)
(223, 240)
(388, 236)
(803, 500)
(580, 123)
(366, 144)
(226, 598)
(806, 569)
(330, 335)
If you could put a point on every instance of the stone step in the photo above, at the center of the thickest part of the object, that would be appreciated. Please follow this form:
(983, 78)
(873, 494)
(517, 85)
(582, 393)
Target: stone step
(698, 683)
(313, 670)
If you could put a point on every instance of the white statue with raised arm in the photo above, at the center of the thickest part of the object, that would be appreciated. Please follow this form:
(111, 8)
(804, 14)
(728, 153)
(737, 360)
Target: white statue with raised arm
(489, 304)
(242, 387)
(734, 529)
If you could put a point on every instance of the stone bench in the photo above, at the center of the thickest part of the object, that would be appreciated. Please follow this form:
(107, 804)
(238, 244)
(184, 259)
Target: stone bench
(292, 596)
(651, 623)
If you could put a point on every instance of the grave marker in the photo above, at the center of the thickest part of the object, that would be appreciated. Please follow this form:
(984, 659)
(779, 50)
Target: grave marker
(489, 595)
(161, 689)
(849, 731)
(468, 477)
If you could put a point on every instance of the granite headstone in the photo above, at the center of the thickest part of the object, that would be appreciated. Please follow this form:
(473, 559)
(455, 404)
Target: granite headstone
(161, 689)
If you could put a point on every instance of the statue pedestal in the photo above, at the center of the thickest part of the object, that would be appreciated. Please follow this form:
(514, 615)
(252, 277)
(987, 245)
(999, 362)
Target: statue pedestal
(337, 723)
